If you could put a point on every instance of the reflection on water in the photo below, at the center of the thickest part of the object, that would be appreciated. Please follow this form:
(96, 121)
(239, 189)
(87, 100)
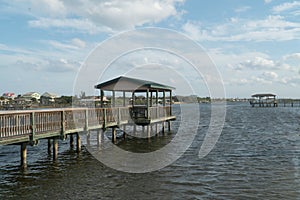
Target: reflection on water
(257, 156)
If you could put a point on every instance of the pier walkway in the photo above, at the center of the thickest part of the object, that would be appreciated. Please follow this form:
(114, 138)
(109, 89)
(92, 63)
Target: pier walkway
(32, 125)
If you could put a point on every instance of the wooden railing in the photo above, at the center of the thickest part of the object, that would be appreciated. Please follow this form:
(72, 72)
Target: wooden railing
(19, 126)
(159, 112)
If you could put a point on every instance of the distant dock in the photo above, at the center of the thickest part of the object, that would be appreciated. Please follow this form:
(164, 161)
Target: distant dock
(269, 100)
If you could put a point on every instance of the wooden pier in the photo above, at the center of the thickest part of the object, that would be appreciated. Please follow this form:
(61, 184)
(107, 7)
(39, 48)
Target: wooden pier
(264, 100)
(269, 100)
(28, 127)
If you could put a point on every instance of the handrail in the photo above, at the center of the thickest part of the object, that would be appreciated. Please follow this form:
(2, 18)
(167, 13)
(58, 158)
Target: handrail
(36, 124)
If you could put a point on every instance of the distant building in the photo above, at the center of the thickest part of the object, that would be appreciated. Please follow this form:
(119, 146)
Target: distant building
(4, 102)
(9, 95)
(32, 95)
(48, 98)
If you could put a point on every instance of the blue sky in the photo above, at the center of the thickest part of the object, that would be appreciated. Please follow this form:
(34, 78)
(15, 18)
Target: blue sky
(253, 43)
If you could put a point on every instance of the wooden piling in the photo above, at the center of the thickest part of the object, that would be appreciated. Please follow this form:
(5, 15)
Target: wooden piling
(78, 143)
(99, 137)
(49, 146)
(88, 138)
(134, 129)
(163, 127)
(143, 130)
(114, 135)
(124, 131)
(23, 155)
(148, 132)
(71, 141)
(55, 148)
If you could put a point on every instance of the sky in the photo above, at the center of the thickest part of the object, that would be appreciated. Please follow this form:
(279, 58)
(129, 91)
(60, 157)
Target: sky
(254, 44)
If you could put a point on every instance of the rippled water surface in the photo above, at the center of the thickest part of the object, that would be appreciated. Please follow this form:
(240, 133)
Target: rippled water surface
(256, 157)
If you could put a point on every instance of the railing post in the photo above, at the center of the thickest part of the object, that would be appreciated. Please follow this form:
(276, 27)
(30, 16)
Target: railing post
(86, 128)
(32, 123)
(63, 124)
(119, 116)
(104, 118)
(171, 102)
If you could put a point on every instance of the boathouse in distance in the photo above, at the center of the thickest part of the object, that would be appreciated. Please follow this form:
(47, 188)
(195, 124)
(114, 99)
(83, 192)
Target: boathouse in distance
(264, 100)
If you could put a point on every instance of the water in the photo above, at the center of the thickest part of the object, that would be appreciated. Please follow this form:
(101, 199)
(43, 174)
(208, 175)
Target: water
(256, 157)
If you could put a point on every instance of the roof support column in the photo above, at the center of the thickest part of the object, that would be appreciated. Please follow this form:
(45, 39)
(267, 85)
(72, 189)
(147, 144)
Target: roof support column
(151, 96)
(133, 99)
(164, 98)
(170, 102)
(156, 98)
(124, 99)
(148, 103)
(101, 98)
(113, 99)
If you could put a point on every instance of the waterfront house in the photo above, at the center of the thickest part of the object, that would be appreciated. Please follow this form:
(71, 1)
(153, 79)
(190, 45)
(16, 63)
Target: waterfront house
(32, 96)
(9, 95)
(48, 98)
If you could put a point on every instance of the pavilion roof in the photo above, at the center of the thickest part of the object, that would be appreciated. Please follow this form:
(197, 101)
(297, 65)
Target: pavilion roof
(123, 83)
(264, 95)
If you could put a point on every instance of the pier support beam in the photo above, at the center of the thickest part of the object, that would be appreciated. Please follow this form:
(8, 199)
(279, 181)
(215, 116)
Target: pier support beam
(99, 136)
(148, 132)
(134, 130)
(55, 148)
(23, 155)
(49, 146)
(71, 141)
(78, 143)
(114, 135)
(124, 131)
(88, 138)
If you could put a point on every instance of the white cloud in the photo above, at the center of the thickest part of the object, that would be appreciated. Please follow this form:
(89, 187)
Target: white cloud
(294, 56)
(78, 42)
(74, 44)
(267, 1)
(50, 65)
(260, 63)
(48, 7)
(80, 25)
(242, 9)
(257, 63)
(286, 6)
(102, 16)
(195, 32)
(272, 28)
(270, 75)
